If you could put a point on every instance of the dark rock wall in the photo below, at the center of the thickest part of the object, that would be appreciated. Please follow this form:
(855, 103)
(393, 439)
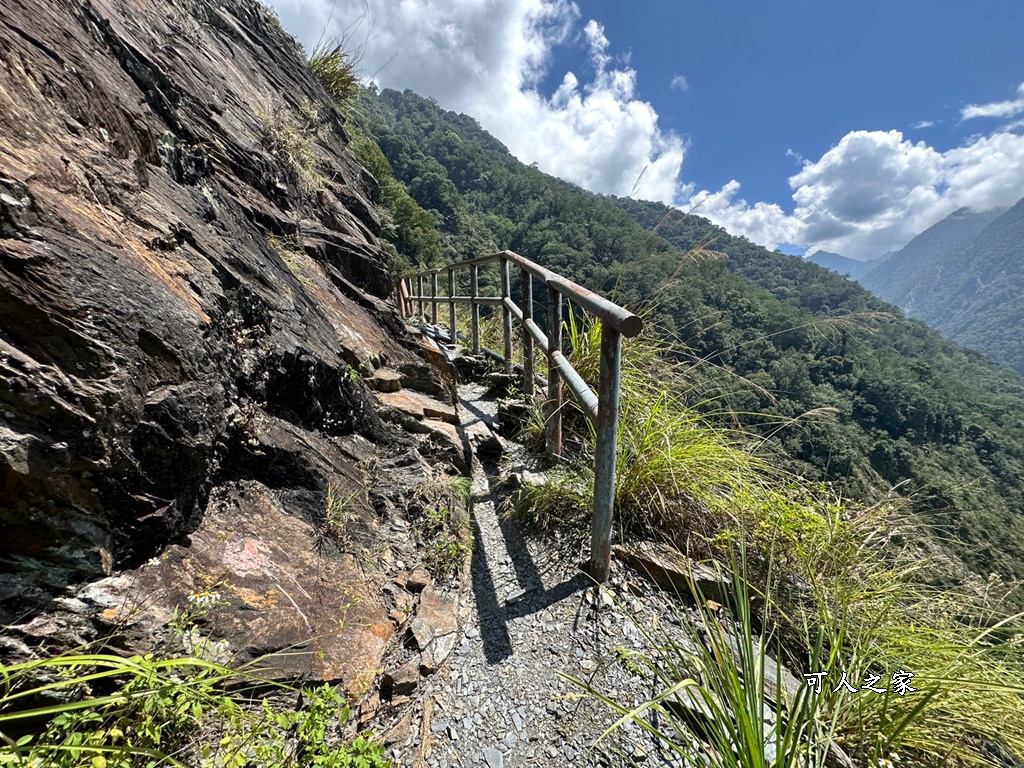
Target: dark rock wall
(172, 281)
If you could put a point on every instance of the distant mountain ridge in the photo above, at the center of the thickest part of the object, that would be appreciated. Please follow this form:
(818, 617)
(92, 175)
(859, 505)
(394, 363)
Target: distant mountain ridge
(844, 265)
(965, 277)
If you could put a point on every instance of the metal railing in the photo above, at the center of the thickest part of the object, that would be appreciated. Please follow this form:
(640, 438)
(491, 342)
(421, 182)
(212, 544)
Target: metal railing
(601, 408)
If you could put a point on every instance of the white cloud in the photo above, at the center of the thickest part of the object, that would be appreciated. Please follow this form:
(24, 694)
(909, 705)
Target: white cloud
(868, 194)
(679, 83)
(874, 191)
(487, 57)
(764, 223)
(995, 108)
(923, 124)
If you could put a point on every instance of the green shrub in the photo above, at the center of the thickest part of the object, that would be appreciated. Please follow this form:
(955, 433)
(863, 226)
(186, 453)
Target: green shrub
(447, 555)
(408, 227)
(96, 710)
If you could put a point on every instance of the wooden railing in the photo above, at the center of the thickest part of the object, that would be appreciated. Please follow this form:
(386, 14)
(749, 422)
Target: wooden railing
(602, 408)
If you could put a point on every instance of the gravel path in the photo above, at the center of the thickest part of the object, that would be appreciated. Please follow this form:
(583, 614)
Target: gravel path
(499, 699)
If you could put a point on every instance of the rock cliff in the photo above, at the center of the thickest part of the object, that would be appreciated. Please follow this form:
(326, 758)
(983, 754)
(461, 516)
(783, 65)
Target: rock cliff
(191, 290)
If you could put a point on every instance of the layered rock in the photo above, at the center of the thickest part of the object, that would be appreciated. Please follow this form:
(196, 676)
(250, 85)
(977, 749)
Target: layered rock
(190, 289)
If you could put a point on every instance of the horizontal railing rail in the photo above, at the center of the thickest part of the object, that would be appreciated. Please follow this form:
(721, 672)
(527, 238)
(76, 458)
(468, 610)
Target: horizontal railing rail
(601, 408)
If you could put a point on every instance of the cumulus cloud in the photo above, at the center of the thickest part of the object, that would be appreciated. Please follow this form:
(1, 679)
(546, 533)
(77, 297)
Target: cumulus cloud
(488, 57)
(764, 223)
(1010, 108)
(868, 194)
(679, 84)
(875, 190)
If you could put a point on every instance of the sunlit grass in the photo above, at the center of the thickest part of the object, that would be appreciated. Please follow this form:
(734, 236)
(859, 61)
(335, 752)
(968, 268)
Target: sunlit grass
(833, 587)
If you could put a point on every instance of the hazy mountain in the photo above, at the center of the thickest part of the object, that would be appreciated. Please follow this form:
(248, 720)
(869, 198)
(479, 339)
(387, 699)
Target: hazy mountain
(844, 265)
(965, 277)
(899, 278)
(977, 294)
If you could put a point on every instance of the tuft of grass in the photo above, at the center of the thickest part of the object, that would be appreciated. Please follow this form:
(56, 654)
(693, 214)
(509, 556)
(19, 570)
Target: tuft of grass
(291, 141)
(335, 68)
(446, 490)
(714, 701)
(677, 475)
(289, 250)
(445, 524)
(340, 513)
(561, 500)
(866, 598)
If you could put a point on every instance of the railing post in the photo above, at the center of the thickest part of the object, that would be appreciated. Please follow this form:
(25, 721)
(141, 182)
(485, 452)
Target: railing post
(407, 296)
(419, 295)
(453, 333)
(605, 453)
(474, 290)
(526, 288)
(506, 316)
(433, 298)
(553, 432)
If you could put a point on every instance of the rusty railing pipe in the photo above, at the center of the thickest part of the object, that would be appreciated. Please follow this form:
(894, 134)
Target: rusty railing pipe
(553, 431)
(526, 300)
(506, 315)
(474, 291)
(605, 453)
(451, 307)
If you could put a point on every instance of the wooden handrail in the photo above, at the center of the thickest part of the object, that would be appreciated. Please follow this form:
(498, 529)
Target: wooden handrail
(601, 408)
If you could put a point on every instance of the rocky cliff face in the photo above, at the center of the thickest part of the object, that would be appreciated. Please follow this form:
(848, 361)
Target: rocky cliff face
(190, 280)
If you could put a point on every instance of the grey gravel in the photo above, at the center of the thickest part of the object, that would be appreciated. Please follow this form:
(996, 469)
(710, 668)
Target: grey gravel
(494, 758)
(499, 700)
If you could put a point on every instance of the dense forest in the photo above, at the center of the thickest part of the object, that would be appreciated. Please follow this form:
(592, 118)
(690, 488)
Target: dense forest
(839, 382)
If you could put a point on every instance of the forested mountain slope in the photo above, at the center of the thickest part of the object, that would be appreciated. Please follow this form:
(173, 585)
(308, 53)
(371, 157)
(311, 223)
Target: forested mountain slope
(971, 292)
(901, 277)
(852, 392)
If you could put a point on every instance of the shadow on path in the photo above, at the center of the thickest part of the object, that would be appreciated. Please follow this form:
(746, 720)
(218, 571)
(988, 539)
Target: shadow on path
(525, 593)
(527, 598)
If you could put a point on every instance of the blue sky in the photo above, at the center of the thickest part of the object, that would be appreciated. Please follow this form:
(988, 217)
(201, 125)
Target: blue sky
(849, 126)
(775, 75)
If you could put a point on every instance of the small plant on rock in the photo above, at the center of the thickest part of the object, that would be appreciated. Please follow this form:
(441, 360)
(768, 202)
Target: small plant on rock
(290, 140)
(290, 252)
(446, 557)
(445, 525)
(340, 512)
